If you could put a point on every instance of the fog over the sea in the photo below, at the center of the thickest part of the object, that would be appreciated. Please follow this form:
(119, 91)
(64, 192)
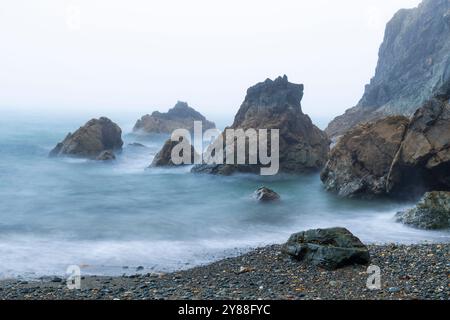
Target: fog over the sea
(111, 56)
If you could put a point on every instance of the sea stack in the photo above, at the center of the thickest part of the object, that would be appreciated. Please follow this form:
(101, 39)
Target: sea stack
(91, 141)
(276, 104)
(164, 157)
(181, 116)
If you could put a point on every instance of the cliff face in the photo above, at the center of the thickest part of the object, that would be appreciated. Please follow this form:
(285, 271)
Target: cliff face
(181, 116)
(413, 65)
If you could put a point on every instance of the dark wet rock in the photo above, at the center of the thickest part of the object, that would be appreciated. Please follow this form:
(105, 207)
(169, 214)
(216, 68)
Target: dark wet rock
(276, 104)
(106, 156)
(359, 164)
(181, 116)
(57, 280)
(432, 212)
(164, 157)
(413, 65)
(137, 145)
(327, 248)
(423, 160)
(91, 140)
(265, 194)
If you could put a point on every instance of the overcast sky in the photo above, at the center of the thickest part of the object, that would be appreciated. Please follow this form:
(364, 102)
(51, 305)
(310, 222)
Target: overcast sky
(112, 55)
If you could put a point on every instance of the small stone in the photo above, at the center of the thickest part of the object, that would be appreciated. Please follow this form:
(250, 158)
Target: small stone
(393, 289)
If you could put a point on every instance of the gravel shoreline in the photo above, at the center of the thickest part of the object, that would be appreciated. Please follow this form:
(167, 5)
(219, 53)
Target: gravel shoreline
(407, 272)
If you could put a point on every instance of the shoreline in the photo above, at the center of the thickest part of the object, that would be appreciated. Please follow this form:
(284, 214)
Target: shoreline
(419, 271)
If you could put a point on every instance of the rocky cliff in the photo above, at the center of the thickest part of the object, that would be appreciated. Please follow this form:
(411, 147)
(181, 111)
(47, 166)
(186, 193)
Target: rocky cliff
(395, 155)
(181, 116)
(276, 104)
(361, 160)
(413, 65)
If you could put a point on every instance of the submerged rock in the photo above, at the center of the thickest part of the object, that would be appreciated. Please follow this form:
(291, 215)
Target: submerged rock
(432, 212)
(327, 248)
(106, 156)
(181, 116)
(276, 104)
(265, 194)
(89, 141)
(413, 64)
(359, 164)
(137, 145)
(164, 157)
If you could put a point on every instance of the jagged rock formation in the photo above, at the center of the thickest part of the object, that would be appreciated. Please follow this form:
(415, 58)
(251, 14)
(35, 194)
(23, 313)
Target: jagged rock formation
(327, 248)
(91, 140)
(164, 157)
(277, 105)
(423, 160)
(413, 65)
(360, 161)
(181, 116)
(432, 212)
(394, 156)
(265, 194)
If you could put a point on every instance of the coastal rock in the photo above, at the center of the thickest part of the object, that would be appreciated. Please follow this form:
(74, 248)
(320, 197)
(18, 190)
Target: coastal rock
(89, 141)
(359, 164)
(423, 160)
(181, 116)
(137, 145)
(432, 212)
(164, 157)
(327, 248)
(276, 104)
(265, 194)
(106, 156)
(413, 65)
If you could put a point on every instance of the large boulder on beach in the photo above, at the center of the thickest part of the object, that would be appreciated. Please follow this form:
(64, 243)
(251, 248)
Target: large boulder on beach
(432, 212)
(181, 116)
(92, 139)
(164, 157)
(359, 164)
(276, 104)
(423, 161)
(265, 194)
(327, 248)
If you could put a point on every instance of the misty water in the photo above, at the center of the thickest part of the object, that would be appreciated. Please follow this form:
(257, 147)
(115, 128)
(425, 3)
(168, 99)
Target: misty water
(107, 216)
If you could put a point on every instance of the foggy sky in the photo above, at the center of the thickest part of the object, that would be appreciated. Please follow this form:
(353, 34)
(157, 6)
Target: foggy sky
(141, 55)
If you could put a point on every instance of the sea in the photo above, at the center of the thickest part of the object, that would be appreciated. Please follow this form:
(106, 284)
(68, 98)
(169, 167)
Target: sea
(119, 217)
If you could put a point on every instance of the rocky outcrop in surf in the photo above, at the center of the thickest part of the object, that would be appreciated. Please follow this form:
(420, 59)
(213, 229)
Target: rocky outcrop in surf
(423, 160)
(360, 162)
(276, 104)
(413, 65)
(164, 157)
(432, 212)
(91, 140)
(181, 116)
(394, 156)
(265, 194)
